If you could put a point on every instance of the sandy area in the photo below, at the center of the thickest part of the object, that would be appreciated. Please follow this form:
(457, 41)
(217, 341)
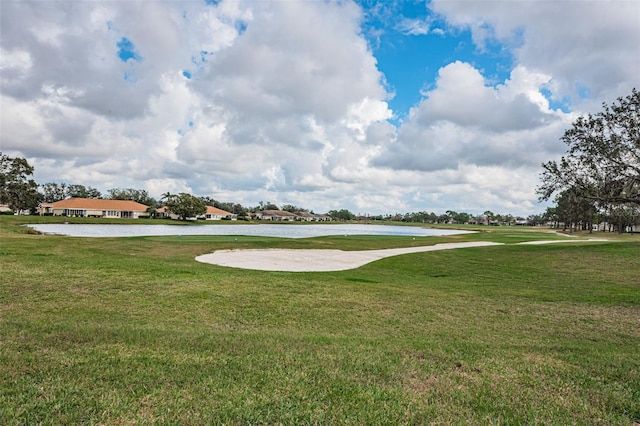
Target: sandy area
(315, 260)
(563, 241)
(330, 260)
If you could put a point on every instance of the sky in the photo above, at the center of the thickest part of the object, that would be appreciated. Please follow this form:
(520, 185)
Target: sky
(378, 107)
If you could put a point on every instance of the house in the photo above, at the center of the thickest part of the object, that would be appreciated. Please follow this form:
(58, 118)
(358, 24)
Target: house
(94, 207)
(307, 217)
(275, 215)
(164, 213)
(214, 213)
(312, 217)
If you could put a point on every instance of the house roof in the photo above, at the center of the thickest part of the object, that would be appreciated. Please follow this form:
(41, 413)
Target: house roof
(306, 214)
(215, 210)
(99, 204)
(277, 213)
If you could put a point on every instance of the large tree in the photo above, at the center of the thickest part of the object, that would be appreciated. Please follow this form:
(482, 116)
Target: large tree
(602, 163)
(185, 205)
(16, 188)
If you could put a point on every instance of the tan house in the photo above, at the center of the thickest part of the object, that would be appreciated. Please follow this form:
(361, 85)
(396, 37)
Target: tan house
(164, 213)
(94, 207)
(275, 215)
(312, 217)
(307, 217)
(214, 213)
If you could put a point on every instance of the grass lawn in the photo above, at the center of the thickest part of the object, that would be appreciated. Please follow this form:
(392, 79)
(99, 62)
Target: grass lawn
(135, 331)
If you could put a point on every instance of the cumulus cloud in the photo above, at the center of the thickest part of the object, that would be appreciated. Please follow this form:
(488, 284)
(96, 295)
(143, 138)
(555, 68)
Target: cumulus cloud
(589, 46)
(285, 102)
(465, 121)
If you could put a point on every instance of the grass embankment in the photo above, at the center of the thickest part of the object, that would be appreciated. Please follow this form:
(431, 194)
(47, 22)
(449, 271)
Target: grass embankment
(133, 330)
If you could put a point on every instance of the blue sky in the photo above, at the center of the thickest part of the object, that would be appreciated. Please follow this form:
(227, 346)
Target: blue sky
(411, 44)
(372, 106)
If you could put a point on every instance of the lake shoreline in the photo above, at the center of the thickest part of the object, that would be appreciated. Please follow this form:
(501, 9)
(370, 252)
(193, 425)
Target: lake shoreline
(259, 230)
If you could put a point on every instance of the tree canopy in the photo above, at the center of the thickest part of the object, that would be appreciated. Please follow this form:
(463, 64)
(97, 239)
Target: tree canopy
(185, 205)
(602, 163)
(16, 188)
(138, 195)
(342, 214)
(53, 191)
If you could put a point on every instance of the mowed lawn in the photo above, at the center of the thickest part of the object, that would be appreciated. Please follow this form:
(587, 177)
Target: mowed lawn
(134, 331)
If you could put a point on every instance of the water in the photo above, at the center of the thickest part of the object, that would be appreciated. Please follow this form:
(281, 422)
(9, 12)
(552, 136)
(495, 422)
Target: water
(261, 230)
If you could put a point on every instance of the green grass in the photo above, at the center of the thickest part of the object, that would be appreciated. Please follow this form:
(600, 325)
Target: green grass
(134, 331)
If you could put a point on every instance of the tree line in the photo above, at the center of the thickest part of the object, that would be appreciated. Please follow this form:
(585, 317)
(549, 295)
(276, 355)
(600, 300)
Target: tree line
(22, 193)
(598, 179)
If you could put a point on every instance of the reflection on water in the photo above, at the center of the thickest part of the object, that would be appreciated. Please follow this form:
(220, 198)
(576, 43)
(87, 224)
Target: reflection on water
(261, 230)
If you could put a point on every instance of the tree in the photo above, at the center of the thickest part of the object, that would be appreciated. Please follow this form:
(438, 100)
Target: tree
(508, 219)
(444, 218)
(536, 219)
(52, 192)
(575, 211)
(291, 208)
(269, 206)
(16, 189)
(603, 158)
(185, 205)
(489, 216)
(81, 191)
(138, 195)
(343, 214)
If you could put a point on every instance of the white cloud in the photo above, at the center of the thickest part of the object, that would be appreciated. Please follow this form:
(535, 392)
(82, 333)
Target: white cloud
(464, 121)
(414, 26)
(284, 102)
(585, 44)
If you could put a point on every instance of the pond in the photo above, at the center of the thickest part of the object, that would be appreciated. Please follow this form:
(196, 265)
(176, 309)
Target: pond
(257, 230)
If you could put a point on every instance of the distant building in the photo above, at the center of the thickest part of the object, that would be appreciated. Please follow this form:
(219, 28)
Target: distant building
(214, 213)
(94, 207)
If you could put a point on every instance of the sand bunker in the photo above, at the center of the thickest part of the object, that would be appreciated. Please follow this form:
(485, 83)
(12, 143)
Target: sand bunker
(316, 260)
(330, 260)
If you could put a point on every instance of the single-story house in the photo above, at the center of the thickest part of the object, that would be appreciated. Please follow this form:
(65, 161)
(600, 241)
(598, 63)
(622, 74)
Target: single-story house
(94, 207)
(312, 217)
(307, 217)
(275, 215)
(281, 215)
(214, 213)
(164, 213)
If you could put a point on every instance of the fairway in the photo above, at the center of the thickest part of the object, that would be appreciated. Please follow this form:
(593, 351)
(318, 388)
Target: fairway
(135, 331)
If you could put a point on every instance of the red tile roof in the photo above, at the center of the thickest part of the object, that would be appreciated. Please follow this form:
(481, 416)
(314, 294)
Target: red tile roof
(99, 204)
(215, 210)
